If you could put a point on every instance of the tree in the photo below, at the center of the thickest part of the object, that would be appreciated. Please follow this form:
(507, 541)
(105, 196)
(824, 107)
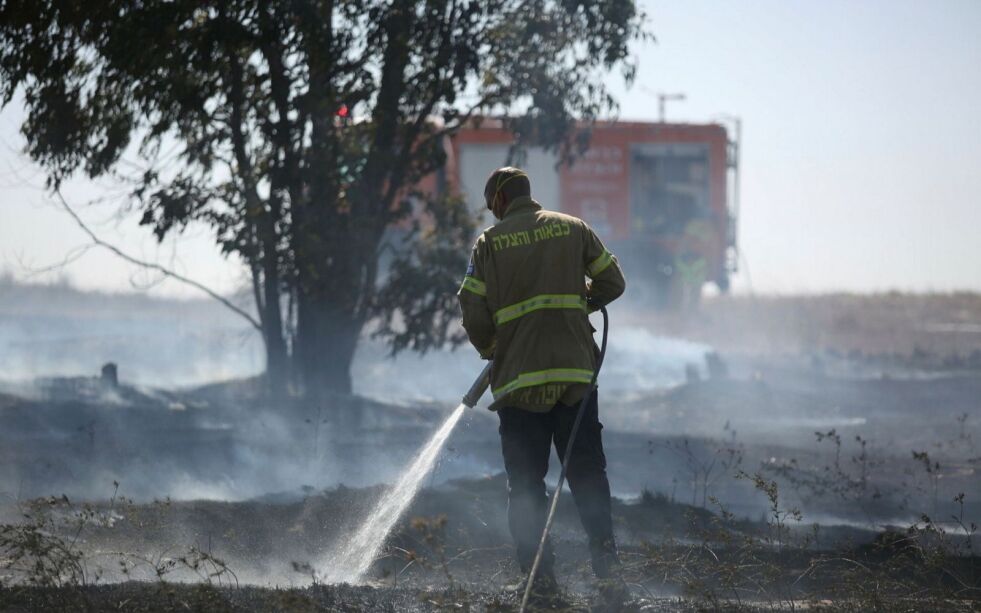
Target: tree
(300, 129)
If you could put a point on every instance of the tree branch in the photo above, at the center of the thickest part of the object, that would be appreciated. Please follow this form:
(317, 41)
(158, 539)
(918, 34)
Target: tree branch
(152, 266)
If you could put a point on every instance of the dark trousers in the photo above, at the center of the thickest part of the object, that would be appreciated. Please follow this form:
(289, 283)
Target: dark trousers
(526, 440)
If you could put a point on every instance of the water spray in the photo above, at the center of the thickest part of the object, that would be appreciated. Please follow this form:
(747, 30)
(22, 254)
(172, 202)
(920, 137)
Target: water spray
(350, 562)
(554, 503)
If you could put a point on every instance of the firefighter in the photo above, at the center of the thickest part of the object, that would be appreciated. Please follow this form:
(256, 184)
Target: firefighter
(525, 300)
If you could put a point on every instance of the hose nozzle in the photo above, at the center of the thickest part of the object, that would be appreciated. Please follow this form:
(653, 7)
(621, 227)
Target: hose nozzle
(478, 388)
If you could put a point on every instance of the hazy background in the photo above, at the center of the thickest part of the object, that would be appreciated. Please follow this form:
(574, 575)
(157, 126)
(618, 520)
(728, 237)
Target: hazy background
(861, 156)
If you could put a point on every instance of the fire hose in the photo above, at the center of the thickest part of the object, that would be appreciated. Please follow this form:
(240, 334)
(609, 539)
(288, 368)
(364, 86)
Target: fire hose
(474, 394)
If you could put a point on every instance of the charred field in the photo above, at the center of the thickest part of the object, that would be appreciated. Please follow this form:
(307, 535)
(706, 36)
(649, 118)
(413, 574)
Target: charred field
(824, 456)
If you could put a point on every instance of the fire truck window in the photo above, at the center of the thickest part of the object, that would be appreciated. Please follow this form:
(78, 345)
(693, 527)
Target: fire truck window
(669, 187)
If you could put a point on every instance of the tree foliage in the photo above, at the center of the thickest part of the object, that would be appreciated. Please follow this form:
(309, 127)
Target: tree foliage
(297, 130)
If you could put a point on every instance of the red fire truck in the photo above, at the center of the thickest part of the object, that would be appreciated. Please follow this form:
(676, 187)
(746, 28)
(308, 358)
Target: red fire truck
(659, 195)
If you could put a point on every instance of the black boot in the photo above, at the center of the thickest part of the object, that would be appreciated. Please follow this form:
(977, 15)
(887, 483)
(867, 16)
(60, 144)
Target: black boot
(613, 591)
(545, 594)
(544, 582)
(606, 560)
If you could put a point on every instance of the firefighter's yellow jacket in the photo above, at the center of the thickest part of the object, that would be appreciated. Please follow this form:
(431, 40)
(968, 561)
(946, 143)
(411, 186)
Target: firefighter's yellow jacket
(524, 304)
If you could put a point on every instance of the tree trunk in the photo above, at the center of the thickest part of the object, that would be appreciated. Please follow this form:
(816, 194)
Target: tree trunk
(273, 342)
(277, 359)
(327, 336)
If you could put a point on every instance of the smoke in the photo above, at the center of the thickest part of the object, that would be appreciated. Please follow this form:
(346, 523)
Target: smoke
(637, 362)
(54, 330)
(63, 431)
(212, 452)
(160, 440)
(159, 343)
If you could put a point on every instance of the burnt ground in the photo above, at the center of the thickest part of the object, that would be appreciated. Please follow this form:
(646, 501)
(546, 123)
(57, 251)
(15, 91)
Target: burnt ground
(207, 598)
(866, 450)
(697, 531)
(818, 462)
(451, 552)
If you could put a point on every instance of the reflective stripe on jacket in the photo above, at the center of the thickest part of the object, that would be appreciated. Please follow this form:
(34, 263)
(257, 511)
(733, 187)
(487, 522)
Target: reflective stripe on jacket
(524, 303)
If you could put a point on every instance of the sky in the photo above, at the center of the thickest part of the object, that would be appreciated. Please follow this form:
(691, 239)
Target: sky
(861, 157)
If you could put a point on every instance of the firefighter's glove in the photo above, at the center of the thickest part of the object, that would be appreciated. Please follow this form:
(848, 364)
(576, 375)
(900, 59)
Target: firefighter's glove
(488, 352)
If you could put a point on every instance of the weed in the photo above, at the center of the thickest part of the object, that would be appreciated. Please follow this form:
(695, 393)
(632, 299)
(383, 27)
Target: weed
(433, 531)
